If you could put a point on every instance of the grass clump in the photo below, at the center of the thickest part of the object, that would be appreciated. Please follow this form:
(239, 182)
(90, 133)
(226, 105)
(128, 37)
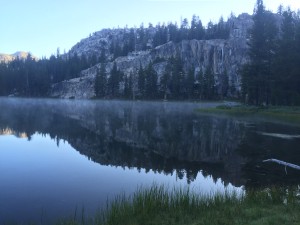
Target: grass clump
(160, 206)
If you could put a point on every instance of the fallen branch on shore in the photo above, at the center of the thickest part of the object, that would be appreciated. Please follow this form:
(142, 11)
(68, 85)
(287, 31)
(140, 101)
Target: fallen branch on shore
(286, 164)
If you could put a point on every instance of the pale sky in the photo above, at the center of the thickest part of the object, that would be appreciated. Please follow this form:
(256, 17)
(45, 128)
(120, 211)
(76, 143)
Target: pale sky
(42, 26)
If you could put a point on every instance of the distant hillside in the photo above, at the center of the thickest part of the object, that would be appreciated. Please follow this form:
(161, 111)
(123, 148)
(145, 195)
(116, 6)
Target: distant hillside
(220, 48)
(11, 57)
(245, 56)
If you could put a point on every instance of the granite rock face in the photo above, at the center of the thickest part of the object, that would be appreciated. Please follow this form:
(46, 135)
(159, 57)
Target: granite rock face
(80, 88)
(223, 56)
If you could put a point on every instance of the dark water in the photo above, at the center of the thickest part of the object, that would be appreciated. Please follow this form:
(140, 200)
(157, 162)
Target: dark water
(59, 158)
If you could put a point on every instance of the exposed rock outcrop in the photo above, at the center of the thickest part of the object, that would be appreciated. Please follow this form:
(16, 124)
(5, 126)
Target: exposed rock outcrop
(223, 56)
(80, 88)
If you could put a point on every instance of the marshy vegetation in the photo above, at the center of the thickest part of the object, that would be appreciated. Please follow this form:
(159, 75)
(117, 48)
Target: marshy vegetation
(160, 205)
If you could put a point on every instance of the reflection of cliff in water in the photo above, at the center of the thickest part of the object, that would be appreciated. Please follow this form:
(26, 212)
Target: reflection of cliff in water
(152, 138)
(163, 137)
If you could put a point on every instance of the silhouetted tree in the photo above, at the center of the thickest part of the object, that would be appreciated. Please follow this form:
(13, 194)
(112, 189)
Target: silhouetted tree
(101, 82)
(150, 82)
(141, 82)
(257, 73)
(114, 81)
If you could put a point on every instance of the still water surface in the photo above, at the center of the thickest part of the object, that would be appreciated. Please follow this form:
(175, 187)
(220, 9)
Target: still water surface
(58, 157)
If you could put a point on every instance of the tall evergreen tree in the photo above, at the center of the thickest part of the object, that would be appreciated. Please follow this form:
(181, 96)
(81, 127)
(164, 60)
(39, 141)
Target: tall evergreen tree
(257, 73)
(173, 32)
(102, 58)
(101, 82)
(177, 77)
(224, 84)
(284, 85)
(128, 87)
(141, 82)
(189, 84)
(196, 30)
(184, 29)
(209, 84)
(114, 81)
(141, 38)
(150, 82)
(131, 41)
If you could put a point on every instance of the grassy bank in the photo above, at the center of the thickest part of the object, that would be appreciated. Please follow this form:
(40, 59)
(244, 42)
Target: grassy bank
(283, 113)
(158, 205)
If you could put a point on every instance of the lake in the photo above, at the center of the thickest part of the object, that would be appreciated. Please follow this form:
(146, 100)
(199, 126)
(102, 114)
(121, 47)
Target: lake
(64, 158)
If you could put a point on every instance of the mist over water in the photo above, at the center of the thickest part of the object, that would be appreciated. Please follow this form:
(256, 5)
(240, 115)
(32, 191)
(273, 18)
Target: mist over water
(60, 156)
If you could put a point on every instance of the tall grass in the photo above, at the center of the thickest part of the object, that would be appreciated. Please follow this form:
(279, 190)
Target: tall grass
(159, 205)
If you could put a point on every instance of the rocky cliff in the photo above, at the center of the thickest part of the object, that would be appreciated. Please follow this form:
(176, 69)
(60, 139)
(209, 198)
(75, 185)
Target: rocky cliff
(223, 56)
(11, 57)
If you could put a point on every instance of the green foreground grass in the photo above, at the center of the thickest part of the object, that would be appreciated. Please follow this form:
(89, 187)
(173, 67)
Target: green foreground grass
(160, 206)
(282, 113)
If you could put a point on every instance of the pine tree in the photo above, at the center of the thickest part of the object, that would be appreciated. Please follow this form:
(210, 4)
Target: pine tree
(101, 82)
(209, 84)
(142, 38)
(224, 84)
(117, 51)
(114, 81)
(257, 73)
(211, 31)
(157, 36)
(131, 41)
(196, 31)
(177, 77)
(189, 84)
(283, 83)
(128, 86)
(222, 29)
(141, 82)
(102, 58)
(150, 82)
(184, 30)
(93, 60)
(173, 32)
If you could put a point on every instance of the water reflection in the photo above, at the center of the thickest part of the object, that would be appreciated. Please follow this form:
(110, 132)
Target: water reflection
(120, 145)
(8, 131)
(42, 183)
(164, 137)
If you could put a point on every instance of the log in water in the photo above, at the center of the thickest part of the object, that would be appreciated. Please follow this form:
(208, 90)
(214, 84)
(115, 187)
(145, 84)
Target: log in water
(294, 166)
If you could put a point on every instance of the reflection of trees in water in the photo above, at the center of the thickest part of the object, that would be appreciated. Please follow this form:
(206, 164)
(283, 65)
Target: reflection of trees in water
(257, 148)
(150, 136)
